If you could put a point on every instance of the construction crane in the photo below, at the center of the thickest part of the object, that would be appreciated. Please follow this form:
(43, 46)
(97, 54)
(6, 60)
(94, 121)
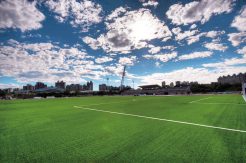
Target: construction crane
(123, 78)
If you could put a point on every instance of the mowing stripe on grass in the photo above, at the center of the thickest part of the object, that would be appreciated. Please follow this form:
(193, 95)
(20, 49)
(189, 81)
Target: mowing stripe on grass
(107, 103)
(162, 119)
(200, 99)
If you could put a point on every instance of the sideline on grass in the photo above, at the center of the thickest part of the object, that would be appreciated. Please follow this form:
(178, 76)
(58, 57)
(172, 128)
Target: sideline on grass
(162, 119)
(213, 103)
(200, 99)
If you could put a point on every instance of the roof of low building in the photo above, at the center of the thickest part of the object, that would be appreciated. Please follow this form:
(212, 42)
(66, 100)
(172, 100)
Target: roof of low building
(150, 86)
(49, 89)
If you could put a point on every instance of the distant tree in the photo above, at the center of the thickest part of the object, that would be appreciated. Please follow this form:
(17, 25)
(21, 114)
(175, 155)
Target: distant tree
(2, 93)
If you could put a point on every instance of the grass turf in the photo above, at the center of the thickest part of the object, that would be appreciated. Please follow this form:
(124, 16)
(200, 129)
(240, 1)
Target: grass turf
(52, 130)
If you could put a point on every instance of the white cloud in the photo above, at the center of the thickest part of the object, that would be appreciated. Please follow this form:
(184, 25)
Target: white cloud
(80, 13)
(9, 85)
(213, 34)
(202, 75)
(193, 39)
(129, 61)
(150, 3)
(192, 36)
(194, 55)
(166, 38)
(198, 11)
(46, 62)
(103, 59)
(185, 34)
(154, 50)
(176, 30)
(242, 51)
(21, 14)
(215, 46)
(237, 38)
(132, 31)
(93, 43)
(239, 21)
(165, 57)
(226, 63)
(117, 12)
(193, 26)
(157, 64)
(170, 47)
(210, 34)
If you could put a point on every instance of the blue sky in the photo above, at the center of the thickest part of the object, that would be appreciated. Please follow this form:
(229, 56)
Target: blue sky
(81, 40)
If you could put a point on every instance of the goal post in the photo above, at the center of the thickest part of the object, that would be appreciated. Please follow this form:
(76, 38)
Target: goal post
(244, 91)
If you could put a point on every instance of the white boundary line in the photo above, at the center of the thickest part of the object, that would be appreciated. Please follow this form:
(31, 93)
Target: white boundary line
(200, 99)
(162, 119)
(217, 103)
(244, 97)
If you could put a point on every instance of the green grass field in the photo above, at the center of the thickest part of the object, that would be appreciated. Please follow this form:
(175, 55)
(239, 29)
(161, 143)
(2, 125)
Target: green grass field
(53, 130)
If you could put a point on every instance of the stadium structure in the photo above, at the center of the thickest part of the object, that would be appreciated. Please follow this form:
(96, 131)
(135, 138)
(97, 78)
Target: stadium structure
(156, 89)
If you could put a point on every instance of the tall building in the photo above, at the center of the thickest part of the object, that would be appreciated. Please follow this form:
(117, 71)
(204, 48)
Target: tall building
(60, 84)
(28, 87)
(40, 85)
(74, 87)
(102, 87)
(163, 84)
(90, 86)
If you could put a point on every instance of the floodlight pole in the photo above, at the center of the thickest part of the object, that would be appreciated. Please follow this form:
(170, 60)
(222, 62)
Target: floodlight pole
(123, 78)
(133, 83)
(107, 83)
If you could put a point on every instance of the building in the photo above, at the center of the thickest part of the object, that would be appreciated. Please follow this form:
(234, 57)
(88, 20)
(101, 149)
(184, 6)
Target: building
(113, 88)
(49, 90)
(102, 87)
(158, 90)
(28, 87)
(233, 79)
(150, 87)
(40, 85)
(163, 84)
(78, 88)
(88, 86)
(74, 88)
(8, 90)
(60, 84)
(16, 90)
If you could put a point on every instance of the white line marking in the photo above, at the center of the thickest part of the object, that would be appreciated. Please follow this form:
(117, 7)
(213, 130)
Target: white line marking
(162, 119)
(216, 103)
(244, 97)
(200, 99)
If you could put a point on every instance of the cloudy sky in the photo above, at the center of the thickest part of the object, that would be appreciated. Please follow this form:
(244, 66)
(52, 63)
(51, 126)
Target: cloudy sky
(81, 40)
